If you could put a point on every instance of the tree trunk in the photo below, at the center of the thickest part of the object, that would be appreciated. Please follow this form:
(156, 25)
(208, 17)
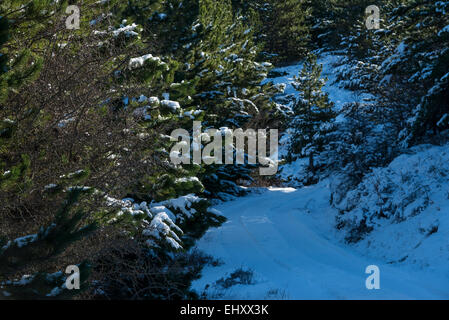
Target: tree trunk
(311, 164)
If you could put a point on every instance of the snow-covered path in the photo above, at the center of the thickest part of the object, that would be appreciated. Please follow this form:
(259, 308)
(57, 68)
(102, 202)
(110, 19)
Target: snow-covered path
(286, 237)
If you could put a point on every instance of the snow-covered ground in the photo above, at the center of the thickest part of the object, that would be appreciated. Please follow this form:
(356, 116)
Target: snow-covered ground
(287, 238)
(339, 96)
(284, 245)
(407, 206)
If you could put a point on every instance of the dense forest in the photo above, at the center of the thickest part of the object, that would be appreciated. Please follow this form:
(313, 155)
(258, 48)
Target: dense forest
(90, 92)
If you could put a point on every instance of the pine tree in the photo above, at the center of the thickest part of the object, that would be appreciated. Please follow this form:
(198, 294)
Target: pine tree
(20, 254)
(4, 35)
(403, 66)
(362, 140)
(67, 125)
(218, 78)
(287, 29)
(26, 19)
(313, 118)
(335, 19)
(423, 59)
(222, 57)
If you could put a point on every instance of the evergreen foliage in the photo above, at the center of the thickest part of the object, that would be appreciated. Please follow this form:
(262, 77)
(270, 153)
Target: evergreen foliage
(313, 113)
(288, 33)
(23, 253)
(90, 111)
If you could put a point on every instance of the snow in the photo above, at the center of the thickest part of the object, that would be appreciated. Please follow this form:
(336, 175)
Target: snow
(407, 202)
(21, 242)
(161, 218)
(154, 101)
(142, 98)
(182, 204)
(443, 119)
(444, 30)
(172, 105)
(23, 281)
(54, 292)
(160, 228)
(287, 237)
(163, 228)
(128, 30)
(337, 94)
(140, 61)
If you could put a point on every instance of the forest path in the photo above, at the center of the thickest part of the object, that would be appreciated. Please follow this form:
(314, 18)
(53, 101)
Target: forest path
(287, 238)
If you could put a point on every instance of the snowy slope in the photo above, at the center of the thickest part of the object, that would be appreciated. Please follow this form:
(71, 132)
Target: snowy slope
(408, 201)
(338, 95)
(288, 239)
